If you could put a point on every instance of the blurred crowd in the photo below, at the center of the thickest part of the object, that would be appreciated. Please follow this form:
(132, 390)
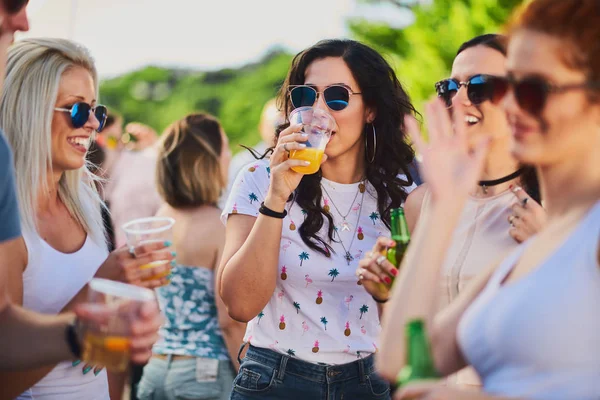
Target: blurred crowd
(276, 282)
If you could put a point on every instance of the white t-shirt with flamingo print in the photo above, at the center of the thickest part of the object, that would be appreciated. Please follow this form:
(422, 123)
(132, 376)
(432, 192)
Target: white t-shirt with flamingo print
(318, 312)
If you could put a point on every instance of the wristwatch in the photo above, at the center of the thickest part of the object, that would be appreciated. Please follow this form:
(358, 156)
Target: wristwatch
(72, 338)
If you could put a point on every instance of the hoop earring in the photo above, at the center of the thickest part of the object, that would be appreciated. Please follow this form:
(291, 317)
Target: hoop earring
(372, 158)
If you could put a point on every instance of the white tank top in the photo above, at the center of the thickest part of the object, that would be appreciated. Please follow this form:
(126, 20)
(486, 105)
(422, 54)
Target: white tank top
(539, 337)
(50, 281)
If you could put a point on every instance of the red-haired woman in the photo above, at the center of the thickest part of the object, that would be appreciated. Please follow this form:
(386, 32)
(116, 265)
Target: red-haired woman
(529, 325)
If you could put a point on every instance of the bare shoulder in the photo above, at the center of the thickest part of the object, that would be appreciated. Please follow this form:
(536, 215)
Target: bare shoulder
(207, 220)
(413, 205)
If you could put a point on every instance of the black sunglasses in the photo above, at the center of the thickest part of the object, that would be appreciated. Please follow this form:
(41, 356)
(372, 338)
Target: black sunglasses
(531, 93)
(480, 88)
(80, 113)
(13, 6)
(336, 97)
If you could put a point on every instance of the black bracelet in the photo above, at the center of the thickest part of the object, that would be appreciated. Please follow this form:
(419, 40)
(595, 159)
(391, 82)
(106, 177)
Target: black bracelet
(379, 301)
(270, 213)
(73, 339)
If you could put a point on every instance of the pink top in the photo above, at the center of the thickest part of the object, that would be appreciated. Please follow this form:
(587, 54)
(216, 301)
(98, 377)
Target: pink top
(480, 238)
(131, 191)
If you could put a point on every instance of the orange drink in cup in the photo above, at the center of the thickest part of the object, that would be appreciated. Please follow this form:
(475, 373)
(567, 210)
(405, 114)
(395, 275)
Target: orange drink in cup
(318, 125)
(107, 342)
(150, 230)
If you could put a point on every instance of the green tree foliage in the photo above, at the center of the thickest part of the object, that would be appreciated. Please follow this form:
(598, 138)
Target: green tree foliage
(159, 96)
(422, 52)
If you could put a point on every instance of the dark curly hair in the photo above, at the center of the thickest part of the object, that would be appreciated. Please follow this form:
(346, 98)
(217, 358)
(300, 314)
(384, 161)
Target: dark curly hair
(381, 91)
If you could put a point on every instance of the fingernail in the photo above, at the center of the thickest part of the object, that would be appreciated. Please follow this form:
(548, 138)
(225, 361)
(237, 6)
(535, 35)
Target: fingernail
(394, 272)
(387, 280)
(86, 370)
(76, 363)
(304, 135)
(173, 263)
(174, 254)
(306, 162)
(302, 145)
(516, 189)
(97, 371)
(168, 243)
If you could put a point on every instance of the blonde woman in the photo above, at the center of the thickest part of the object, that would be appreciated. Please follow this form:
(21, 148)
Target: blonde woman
(197, 350)
(49, 113)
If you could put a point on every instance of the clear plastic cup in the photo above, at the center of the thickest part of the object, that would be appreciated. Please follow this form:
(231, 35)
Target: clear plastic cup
(150, 230)
(318, 124)
(106, 342)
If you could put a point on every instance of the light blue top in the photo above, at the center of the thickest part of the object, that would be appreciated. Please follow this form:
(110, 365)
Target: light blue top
(188, 304)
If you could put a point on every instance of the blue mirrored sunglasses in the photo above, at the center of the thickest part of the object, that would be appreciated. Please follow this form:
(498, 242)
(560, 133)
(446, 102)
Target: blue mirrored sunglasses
(80, 114)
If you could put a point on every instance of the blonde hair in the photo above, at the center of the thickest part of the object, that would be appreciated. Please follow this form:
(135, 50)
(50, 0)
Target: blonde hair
(188, 172)
(34, 71)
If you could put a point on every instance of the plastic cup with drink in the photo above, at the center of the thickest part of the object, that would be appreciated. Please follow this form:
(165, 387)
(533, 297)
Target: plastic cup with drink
(106, 341)
(318, 124)
(146, 231)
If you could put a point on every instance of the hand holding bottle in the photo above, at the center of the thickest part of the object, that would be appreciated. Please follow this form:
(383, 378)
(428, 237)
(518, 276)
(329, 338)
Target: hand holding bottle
(376, 272)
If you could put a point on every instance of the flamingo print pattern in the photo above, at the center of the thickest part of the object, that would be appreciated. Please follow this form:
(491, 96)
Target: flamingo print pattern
(318, 313)
(308, 280)
(348, 300)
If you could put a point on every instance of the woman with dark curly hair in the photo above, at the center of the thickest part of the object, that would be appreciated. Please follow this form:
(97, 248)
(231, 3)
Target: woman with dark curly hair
(293, 240)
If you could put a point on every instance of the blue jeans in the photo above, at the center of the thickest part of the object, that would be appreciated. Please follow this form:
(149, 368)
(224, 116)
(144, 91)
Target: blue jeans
(179, 380)
(265, 374)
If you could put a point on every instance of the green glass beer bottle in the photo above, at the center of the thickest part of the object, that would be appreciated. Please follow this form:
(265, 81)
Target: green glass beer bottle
(419, 361)
(400, 235)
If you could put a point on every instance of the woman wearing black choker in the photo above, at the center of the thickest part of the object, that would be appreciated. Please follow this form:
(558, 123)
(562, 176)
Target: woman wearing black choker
(499, 213)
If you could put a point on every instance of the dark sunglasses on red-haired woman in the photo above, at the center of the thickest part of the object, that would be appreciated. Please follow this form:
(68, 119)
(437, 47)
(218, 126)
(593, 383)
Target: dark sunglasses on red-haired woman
(13, 6)
(531, 92)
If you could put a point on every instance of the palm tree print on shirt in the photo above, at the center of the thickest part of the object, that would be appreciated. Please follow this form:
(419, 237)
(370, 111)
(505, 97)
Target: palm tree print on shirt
(363, 309)
(374, 217)
(291, 352)
(333, 273)
(324, 322)
(260, 315)
(303, 257)
(252, 197)
(297, 307)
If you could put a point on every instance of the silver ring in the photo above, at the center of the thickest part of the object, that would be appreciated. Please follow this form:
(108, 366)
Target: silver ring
(132, 251)
(361, 277)
(286, 149)
(380, 260)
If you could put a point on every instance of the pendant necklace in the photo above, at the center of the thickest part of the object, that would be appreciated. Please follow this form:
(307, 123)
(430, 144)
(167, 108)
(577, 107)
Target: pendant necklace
(345, 224)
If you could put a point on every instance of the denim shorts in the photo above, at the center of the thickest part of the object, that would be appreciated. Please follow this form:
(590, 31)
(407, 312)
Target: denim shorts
(265, 374)
(186, 379)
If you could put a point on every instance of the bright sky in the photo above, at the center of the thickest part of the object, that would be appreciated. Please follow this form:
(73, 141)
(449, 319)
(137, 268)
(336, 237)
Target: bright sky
(205, 34)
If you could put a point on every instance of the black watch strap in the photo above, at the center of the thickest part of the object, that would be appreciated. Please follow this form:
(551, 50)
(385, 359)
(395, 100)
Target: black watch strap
(270, 213)
(72, 339)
